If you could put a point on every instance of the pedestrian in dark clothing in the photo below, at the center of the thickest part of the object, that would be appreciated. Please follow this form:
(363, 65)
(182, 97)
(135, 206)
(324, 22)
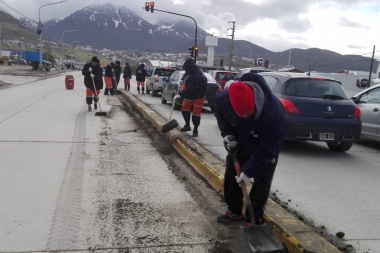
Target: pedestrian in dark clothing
(127, 76)
(109, 79)
(194, 95)
(117, 73)
(93, 74)
(252, 122)
(140, 78)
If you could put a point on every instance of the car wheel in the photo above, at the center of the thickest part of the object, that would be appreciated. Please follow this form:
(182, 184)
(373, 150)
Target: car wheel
(154, 93)
(339, 146)
(147, 90)
(163, 100)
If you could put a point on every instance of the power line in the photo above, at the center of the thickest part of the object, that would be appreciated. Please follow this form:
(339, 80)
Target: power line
(17, 11)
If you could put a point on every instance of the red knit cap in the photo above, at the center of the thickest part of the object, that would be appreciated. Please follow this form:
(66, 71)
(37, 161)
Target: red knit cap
(241, 97)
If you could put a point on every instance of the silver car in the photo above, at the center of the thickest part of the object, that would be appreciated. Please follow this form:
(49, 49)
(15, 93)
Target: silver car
(368, 101)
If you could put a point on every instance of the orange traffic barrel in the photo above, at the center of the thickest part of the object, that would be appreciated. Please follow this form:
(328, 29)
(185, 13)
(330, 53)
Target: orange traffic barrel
(69, 82)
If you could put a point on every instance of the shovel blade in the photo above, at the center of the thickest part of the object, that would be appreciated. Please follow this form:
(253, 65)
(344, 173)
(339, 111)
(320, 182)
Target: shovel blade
(261, 239)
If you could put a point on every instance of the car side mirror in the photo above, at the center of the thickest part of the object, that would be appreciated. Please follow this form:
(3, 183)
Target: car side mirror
(354, 99)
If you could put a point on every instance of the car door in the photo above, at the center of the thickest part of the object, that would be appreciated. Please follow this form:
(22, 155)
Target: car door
(172, 84)
(369, 104)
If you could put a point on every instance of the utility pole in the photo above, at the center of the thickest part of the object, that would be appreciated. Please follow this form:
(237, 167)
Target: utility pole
(370, 69)
(231, 47)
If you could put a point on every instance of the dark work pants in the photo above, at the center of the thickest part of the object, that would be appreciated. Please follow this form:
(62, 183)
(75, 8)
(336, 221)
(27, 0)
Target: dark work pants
(259, 193)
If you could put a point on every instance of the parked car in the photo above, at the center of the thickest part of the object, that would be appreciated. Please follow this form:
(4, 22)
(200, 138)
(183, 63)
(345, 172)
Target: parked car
(317, 108)
(222, 76)
(157, 78)
(245, 71)
(170, 89)
(368, 101)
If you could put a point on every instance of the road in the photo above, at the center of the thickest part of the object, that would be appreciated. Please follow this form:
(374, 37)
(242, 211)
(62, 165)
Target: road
(72, 181)
(333, 192)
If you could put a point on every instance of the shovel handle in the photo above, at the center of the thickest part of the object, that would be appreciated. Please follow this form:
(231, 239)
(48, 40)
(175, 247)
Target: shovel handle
(243, 186)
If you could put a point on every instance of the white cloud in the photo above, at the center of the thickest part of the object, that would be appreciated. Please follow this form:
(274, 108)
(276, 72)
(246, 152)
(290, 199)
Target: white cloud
(346, 27)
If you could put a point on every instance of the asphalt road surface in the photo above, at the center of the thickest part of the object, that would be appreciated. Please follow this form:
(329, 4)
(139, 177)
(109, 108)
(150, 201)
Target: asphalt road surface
(72, 181)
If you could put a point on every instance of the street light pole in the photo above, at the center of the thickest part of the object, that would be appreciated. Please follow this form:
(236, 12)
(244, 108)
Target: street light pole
(62, 46)
(71, 56)
(196, 27)
(40, 26)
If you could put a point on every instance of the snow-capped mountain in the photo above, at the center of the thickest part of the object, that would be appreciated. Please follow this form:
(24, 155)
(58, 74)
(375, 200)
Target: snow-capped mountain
(117, 27)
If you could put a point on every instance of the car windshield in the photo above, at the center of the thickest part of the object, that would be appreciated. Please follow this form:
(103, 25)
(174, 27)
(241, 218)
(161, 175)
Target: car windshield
(224, 76)
(314, 88)
(210, 79)
(163, 72)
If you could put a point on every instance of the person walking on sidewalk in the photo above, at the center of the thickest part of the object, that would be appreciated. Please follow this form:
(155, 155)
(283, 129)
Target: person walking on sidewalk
(194, 95)
(117, 72)
(92, 72)
(109, 79)
(127, 75)
(140, 78)
(252, 123)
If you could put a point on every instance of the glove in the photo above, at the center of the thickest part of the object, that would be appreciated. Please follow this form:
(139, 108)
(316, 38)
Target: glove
(90, 69)
(92, 75)
(243, 177)
(230, 141)
(176, 97)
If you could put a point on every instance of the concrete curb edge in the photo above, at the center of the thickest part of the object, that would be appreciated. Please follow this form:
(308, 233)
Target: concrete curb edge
(294, 234)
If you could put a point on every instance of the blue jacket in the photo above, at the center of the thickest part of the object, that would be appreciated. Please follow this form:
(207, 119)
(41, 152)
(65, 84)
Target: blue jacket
(195, 81)
(260, 137)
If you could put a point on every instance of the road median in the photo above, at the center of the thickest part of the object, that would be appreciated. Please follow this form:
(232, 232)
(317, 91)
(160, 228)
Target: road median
(294, 234)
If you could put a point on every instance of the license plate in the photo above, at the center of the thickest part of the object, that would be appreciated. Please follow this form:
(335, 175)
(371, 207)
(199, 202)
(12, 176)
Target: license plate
(326, 136)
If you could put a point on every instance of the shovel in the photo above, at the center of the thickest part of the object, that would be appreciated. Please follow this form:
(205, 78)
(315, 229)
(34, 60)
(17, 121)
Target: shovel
(259, 237)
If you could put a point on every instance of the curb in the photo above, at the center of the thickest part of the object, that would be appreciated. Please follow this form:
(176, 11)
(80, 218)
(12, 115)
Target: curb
(294, 234)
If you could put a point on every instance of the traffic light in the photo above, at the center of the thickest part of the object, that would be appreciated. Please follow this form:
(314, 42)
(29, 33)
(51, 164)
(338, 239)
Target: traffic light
(191, 49)
(196, 51)
(147, 6)
(152, 6)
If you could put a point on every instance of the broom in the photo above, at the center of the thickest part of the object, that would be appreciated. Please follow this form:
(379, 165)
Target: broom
(172, 123)
(100, 113)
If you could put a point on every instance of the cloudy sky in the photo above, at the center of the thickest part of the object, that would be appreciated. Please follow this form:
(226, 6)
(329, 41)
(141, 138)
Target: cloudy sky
(343, 26)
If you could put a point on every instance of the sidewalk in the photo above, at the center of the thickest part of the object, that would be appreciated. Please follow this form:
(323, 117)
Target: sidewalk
(295, 235)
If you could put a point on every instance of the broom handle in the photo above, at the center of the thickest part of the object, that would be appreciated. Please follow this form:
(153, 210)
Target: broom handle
(96, 93)
(171, 112)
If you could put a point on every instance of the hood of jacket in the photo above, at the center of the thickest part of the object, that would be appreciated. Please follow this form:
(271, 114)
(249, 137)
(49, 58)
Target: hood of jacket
(189, 65)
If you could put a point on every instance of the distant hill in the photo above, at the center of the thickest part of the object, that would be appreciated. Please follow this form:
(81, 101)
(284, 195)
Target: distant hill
(12, 29)
(118, 28)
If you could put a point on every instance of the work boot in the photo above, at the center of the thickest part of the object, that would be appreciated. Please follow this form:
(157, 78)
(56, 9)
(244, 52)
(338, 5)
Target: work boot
(89, 108)
(185, 128)
(95, 106)
(229, 216)
(195, 133)
(142, 91)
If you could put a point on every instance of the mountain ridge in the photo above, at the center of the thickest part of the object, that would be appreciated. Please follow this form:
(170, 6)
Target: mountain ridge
(118, 28)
